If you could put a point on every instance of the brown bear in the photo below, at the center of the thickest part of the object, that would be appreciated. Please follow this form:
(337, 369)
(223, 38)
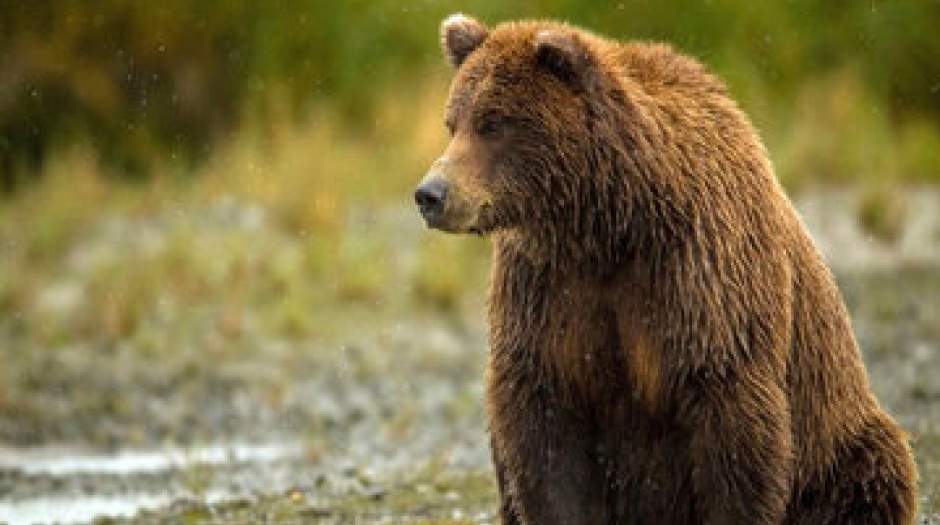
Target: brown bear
(667, 344)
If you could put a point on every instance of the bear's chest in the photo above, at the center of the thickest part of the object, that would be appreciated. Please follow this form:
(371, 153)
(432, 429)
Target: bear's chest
(565, 334)
(591, 339)
(580, 344)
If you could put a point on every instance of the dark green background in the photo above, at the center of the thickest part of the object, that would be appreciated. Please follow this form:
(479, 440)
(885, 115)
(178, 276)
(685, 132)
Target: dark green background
(166, 79)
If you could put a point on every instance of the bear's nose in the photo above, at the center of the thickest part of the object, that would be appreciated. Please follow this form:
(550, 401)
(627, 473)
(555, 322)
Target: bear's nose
(430, 197)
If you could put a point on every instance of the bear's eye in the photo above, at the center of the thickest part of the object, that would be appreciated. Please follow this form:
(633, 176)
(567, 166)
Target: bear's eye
(490, 125)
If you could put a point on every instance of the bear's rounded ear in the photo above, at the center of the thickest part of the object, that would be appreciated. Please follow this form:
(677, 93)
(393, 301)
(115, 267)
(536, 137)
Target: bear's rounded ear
(564, 55)
(460, 35)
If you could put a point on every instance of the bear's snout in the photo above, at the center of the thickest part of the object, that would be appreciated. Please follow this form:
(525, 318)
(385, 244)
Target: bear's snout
(430, 197)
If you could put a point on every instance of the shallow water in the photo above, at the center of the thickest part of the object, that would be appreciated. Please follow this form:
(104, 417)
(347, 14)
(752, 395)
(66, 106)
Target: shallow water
(85, 504)
(69, 509)
(63, 461)
(84, 508)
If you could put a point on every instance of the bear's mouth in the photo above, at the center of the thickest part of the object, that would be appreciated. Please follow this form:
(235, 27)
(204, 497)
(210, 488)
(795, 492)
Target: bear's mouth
(473, 230)
(481, 224)
(485, 221)
(480, 221)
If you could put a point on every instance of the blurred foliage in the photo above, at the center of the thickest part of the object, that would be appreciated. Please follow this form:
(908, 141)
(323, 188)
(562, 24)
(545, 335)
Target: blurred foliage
(882, 213)
(147, 83)
(282, 234)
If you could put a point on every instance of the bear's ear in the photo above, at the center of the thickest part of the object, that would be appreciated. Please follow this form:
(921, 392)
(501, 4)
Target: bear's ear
(460, 35)
(564, 55)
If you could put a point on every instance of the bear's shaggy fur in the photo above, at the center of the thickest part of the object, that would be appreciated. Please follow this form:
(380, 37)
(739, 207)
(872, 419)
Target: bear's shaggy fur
(667, 344)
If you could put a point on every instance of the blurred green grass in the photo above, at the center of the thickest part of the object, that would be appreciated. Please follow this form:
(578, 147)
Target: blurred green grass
(146, 84)
(314, 181)
(324, 116)
(291, 224)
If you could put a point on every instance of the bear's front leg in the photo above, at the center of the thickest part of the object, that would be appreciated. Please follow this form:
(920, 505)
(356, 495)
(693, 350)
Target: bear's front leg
(544, 453)
(741, 448)
(507, 511)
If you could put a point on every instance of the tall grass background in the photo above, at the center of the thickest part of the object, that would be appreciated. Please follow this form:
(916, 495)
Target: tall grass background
(320, 115)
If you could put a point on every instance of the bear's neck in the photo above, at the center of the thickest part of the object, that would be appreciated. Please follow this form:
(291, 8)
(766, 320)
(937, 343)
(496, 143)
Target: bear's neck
(596, 250)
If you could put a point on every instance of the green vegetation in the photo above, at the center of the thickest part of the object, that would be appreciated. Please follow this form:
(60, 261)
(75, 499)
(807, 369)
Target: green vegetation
(308, 109)
(882, 212)
(291, 223)
(842, 90)
(317, 120)
(323, 117)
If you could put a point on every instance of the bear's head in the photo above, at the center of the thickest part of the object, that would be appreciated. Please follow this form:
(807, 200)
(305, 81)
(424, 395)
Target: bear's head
(526, 114)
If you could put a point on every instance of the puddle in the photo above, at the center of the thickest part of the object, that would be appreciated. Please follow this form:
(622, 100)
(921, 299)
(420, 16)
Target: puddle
(64, 461)
(76, 509)
(70, 509)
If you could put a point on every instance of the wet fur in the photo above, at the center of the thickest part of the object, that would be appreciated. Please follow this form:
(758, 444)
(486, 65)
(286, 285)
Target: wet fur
(667, 344)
